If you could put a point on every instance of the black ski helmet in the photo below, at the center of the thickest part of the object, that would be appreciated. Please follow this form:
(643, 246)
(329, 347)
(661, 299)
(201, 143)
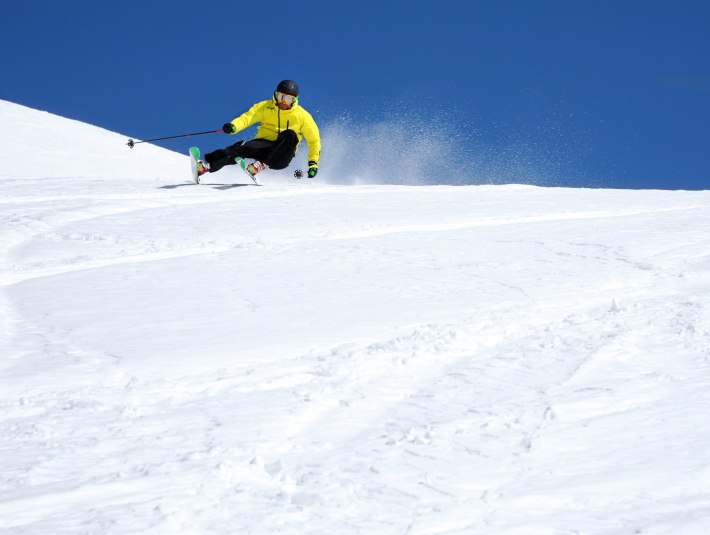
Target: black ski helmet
(288, 86)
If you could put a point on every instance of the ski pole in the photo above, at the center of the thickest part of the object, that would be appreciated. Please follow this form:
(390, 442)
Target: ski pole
(131, 143)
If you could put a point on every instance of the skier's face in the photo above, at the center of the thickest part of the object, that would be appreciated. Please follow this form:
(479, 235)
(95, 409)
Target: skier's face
(284, 100)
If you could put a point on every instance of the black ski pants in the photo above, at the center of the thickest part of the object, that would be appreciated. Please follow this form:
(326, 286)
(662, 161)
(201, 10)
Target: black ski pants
(276, 154)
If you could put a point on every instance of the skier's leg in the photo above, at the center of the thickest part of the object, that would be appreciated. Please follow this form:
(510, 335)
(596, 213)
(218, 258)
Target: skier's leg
(282, 151)
(245, 149)
(275, 154)
(218, 159)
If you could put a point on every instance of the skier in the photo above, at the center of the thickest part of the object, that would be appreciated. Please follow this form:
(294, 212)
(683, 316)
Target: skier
(283, 124)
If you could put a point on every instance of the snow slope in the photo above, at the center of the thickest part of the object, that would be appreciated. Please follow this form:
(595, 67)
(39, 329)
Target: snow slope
(311, 358)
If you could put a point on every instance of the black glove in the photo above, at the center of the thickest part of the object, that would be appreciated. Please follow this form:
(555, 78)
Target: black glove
(229, 128)
(312, 169)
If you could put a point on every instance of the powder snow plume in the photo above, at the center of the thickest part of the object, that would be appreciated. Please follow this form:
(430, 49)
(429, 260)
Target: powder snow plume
(415, 149)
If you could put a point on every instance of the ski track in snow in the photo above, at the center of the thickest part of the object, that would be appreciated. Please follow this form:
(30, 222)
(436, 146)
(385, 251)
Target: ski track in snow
(366, 359)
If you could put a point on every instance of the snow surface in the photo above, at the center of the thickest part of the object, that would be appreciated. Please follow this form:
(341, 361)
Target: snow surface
(313, 358)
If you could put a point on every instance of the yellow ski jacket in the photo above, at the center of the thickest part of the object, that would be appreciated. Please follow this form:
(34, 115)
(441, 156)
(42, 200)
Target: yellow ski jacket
(274, 120)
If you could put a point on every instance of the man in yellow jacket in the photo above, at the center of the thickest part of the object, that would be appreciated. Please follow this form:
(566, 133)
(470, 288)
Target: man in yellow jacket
(283, 124)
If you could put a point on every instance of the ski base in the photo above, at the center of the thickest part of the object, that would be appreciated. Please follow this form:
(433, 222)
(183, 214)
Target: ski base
(194, 156)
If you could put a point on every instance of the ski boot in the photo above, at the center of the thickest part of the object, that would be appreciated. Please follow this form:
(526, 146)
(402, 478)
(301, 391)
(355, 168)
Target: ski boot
(256, 167)
(202, 168)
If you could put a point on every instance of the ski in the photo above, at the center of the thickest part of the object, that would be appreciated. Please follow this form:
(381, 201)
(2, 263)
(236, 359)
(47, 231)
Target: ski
(243, 164)
(194, 156)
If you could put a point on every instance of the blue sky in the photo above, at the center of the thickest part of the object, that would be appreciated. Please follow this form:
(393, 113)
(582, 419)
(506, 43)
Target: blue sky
(604, 93)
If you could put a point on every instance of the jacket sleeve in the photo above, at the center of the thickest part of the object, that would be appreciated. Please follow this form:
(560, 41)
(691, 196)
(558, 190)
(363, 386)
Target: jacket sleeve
(312, 135)
(250, 117)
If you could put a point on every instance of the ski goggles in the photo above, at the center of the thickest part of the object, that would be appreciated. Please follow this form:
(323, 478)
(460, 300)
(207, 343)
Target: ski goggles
(285, 97)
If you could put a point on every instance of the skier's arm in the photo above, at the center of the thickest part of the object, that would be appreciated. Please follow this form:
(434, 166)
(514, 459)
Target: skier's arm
(248, 118)
(312, 135)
